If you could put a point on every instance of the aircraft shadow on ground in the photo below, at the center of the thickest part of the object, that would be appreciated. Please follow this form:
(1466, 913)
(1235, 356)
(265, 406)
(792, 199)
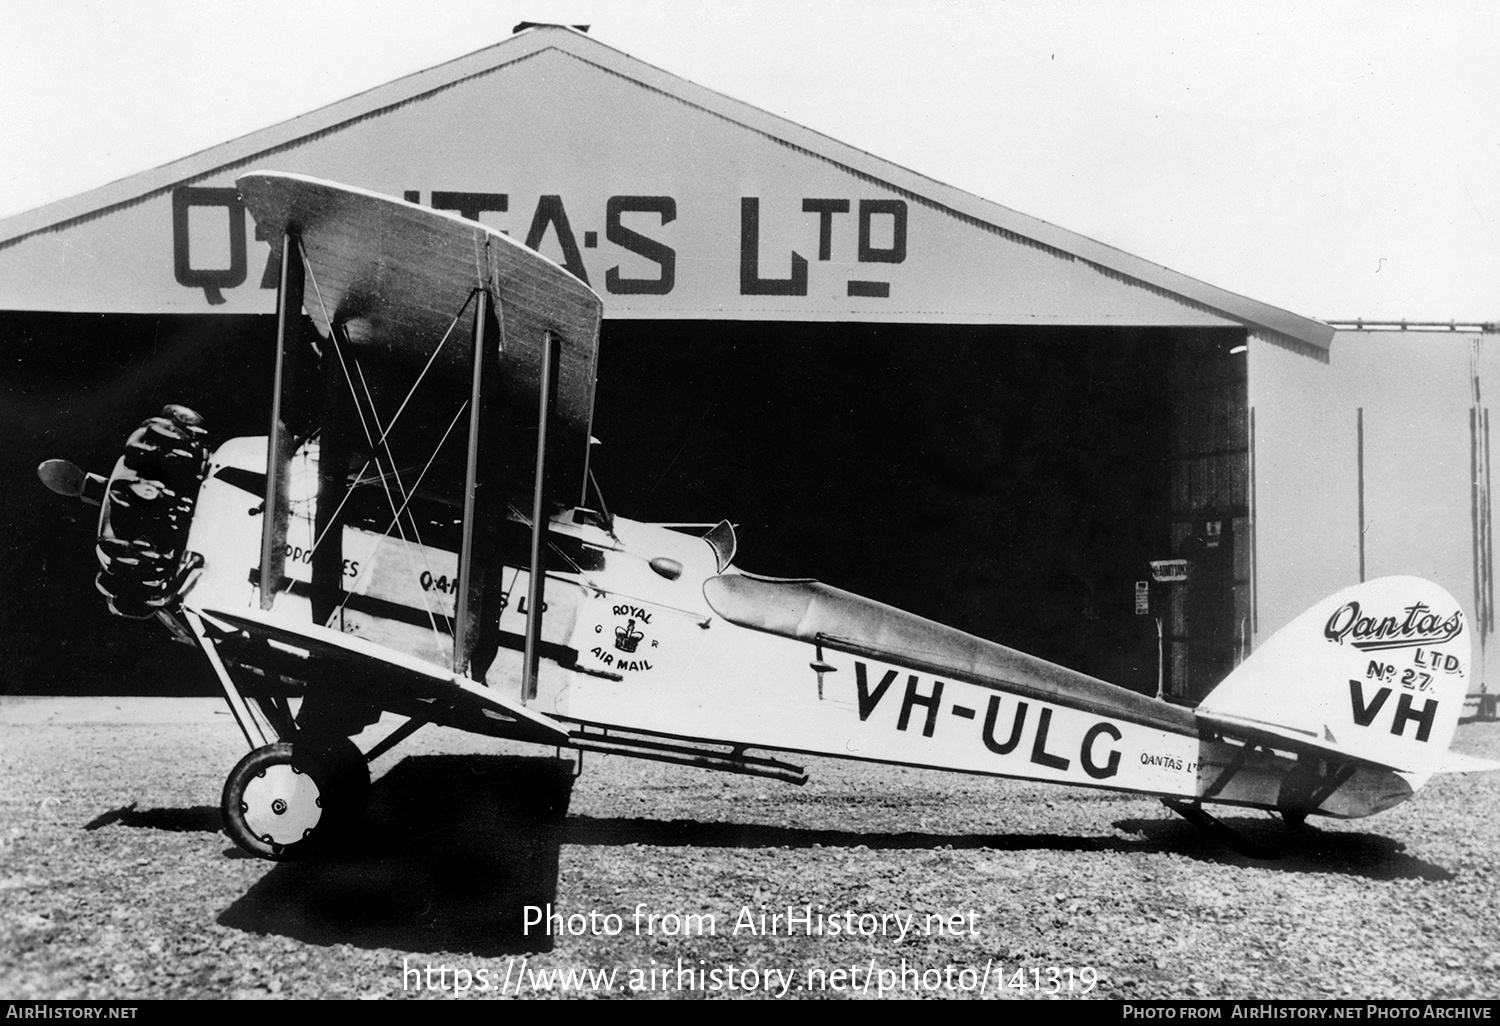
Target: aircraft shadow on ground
(693, 834)
(1307, 849)
(450, 851)
(1304, 850)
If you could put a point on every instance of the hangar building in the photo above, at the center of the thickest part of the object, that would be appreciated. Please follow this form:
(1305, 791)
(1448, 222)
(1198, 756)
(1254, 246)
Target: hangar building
(889, 384)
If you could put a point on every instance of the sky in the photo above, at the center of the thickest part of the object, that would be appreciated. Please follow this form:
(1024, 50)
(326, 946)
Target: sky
(1336, 159)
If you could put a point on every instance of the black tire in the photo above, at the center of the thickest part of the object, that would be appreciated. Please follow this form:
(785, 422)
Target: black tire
(349, 770)
(279, 802)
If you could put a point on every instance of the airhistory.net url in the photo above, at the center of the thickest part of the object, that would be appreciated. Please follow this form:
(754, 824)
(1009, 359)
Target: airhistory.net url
(517, 977)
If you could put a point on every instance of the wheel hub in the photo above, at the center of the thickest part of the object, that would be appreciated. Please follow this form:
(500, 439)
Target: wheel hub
(281, 805)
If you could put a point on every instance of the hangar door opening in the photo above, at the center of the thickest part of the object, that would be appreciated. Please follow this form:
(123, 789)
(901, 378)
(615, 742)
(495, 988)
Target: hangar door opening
(1015, 482)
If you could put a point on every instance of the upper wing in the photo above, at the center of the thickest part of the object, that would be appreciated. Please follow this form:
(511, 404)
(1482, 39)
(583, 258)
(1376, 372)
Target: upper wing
(394, 276)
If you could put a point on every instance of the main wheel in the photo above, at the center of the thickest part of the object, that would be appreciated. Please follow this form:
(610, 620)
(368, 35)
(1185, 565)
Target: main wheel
(350, 773)
(278, 802)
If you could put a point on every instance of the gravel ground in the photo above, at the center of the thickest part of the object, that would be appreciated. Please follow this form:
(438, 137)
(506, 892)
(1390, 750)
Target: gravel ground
(116, 881)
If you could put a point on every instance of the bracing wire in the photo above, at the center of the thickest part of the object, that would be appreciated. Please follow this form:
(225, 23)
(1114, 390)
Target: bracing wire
(382, 443)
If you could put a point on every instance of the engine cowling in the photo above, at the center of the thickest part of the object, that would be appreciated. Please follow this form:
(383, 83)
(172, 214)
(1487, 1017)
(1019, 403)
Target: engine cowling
(144, 565)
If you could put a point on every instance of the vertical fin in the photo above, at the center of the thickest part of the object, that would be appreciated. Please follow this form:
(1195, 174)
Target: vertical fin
(1378, 672)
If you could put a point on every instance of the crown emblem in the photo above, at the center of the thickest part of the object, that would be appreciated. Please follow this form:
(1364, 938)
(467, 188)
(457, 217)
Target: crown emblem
(627, 637)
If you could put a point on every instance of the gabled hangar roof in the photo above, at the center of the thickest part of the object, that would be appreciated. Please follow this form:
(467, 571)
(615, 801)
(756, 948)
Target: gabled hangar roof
(262, 147)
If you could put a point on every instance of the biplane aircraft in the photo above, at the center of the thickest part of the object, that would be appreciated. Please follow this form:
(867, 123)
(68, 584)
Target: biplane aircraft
(412, 536)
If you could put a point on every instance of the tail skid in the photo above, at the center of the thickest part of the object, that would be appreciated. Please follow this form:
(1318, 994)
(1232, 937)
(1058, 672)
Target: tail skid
(1221, 831)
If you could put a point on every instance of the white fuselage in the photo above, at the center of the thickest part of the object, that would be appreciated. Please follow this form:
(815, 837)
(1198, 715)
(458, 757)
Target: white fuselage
(627, 647)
